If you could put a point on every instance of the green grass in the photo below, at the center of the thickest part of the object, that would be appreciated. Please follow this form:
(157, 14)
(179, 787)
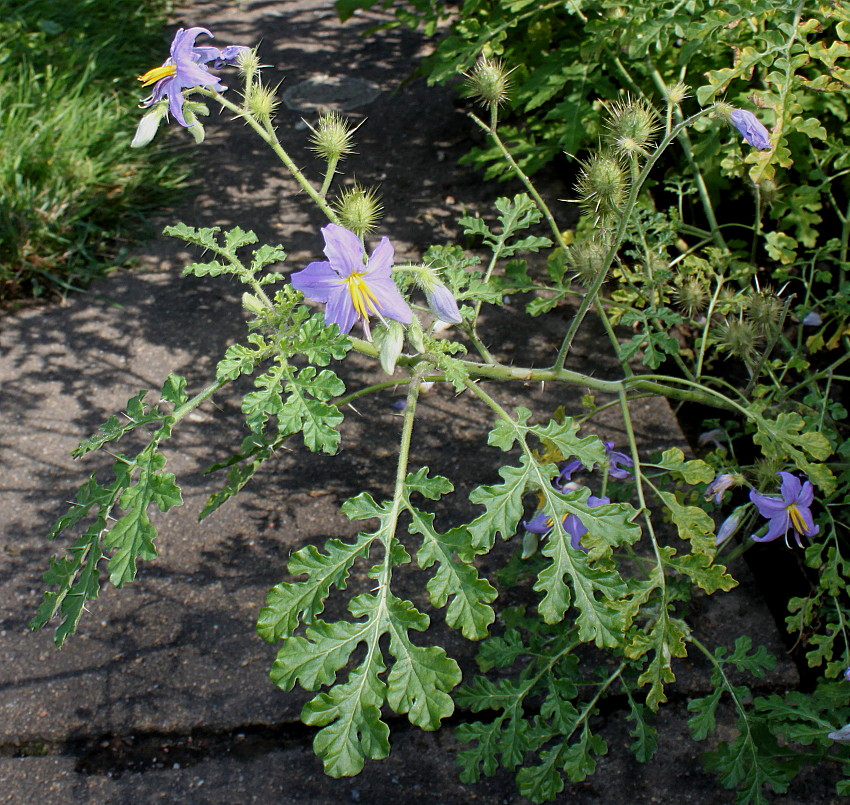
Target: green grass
(72, 191)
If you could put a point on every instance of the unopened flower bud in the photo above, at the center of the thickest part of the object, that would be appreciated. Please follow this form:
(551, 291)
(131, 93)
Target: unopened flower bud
(359, 209)
(332, 137)
(390, 340)
(442, 304)
(748, 125)
(149, 124)
(248, 63)
(729, 527)
(489, 81)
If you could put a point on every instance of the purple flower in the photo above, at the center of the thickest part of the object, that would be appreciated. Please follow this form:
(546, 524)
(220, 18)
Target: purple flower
(847, 674)
(718, 487)
(541, 523)
(353, 288)
(791, 510)
(184, 69)
(617, 461)
(751, 129)
(442, 304)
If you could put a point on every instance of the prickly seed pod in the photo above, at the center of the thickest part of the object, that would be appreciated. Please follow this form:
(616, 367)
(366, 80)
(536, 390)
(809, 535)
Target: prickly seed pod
(261, 100)
(768, 191)
(587, 259)
(631, 126)
(359, 209)
(488, 81)
(765, 471)
(691, 296)
(738, 337)
(332, 139)
(764, 307)
(602, 187)
(248, 63)
(677, 93)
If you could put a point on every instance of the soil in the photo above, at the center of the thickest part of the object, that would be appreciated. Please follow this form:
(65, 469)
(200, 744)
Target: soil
(164, 693)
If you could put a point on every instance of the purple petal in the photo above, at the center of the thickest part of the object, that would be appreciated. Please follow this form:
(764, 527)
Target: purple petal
(810, 529)
(344, 249)
(381, 260)
(790, 487)
(390, 302)
(566, 474)
(317, 282)
(340, 309)
(184, 41)
(777, 527)
(541, 523)
(807, 495)
(203, 55)
(767, 506)
(175, 102)
(751, 129)
(576, 529)
(594, 501)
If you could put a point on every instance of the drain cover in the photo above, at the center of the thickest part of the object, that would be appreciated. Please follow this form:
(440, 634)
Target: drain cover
(332, 93)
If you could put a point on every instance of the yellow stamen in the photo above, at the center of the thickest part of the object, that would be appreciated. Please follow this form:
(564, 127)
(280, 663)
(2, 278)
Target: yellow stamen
(797, 520)
(362, 297)
(152, 76)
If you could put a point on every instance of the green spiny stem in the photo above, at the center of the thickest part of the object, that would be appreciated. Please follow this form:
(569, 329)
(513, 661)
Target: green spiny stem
(658, 385)
(628, 210)
(202, 396)
(267, 133)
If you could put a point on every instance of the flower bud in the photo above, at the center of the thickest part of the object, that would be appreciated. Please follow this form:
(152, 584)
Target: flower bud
(332, 137)
(631, 125)
(729, 527)
(359, 209)
(442, 304)
(489, 81)
(602, 187)
(391, 340)
(149, 124)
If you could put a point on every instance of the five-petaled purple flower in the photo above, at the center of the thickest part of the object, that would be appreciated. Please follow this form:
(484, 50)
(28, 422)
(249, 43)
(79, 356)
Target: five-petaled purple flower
(542, 523)
(751, 129)
(353, 288)
(184, 69)
(791, 510)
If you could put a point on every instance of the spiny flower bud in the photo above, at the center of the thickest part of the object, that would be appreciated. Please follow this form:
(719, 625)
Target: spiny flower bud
(332, 137)
(261, 100)
(489, 81)
(602, 187)
(587, 259)
(359, 209)
(691, 296)
(738, 337)
(631, 125)
(764, 307)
